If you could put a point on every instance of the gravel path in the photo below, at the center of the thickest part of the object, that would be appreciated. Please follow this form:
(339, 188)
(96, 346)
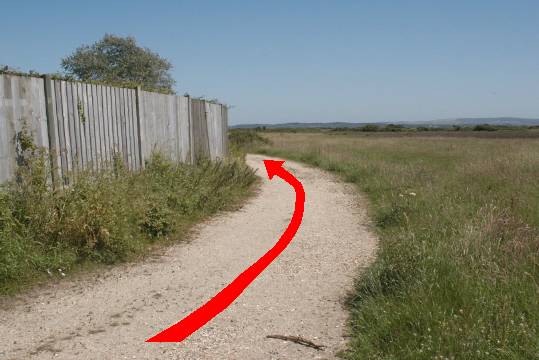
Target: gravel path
(109, 316)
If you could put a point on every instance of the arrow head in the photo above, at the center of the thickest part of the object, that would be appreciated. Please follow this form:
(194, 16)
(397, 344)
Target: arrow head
(273, 167)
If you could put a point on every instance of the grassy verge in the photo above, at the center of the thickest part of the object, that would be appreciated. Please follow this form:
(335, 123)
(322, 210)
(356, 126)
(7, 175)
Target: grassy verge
(457, 273)
(107, 217)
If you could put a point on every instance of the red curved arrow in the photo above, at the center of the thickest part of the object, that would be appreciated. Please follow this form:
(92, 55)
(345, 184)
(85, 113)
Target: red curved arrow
(225, 297)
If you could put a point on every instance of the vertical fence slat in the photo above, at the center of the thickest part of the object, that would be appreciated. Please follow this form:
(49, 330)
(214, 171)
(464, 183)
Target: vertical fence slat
(96, 125)
(134, 130)
(74, 126)
(112, 109)
(129, 126)
(127, 108)
(192, 158)
(83, 117)
(66, 127)
(123, 126)
(60, 126)
(5, 160)
(91, 126)
(110, 122)
(106, 118)
(115, 116)
(224, 117)
(81, 120)
(106, 135)
(86, 127)
(101, 136)
(142, 110)
(102, 132)
(177, 116)
(173, 144)
(52, 127)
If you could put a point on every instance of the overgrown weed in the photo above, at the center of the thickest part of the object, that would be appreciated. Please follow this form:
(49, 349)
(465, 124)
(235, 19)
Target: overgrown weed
(104, 217)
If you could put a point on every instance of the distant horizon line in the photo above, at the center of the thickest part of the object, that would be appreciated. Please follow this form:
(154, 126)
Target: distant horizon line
(486, 118)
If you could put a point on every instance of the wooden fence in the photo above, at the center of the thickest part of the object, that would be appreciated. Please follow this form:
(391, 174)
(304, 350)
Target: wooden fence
(86, 126)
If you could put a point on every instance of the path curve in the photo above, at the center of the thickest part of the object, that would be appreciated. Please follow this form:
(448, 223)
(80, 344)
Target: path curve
(300, 294)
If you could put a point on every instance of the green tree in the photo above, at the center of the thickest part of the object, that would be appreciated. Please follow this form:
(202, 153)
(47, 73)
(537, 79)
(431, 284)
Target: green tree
(119, 60)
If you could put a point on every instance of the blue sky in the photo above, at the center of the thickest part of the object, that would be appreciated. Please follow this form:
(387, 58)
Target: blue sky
(310, 61)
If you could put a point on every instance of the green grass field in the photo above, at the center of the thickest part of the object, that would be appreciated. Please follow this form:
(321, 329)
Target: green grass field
(457, 270)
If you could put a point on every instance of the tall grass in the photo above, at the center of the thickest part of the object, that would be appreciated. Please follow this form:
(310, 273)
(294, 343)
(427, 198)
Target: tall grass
(106, 217)
(242, 139)
(457, 272)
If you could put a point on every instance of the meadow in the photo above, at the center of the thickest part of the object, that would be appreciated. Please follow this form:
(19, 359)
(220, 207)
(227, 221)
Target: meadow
(457, 269)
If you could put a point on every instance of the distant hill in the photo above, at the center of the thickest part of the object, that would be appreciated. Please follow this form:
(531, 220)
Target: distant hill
(507, 121)
(491, 121)
(295, 125)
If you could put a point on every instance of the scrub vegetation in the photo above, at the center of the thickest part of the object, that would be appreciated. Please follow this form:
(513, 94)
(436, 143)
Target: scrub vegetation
(105, 217)
(457, 270)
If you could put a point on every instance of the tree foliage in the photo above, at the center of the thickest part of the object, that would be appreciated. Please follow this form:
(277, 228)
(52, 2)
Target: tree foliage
(119, 60)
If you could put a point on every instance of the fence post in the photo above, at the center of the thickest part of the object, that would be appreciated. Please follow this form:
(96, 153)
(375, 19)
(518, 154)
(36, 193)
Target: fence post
(191, 133)
(224, 120)
(52, 130)
(140, 120)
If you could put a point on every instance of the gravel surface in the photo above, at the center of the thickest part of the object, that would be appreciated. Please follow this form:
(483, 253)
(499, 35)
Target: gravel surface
(109, 315)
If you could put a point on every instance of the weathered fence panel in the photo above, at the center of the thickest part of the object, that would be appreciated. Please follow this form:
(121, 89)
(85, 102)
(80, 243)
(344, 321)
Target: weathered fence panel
(214, 117)
(183, 129)
(165, 125)
(92, 125)
(89, 126)
(22, 105)
(201, 145)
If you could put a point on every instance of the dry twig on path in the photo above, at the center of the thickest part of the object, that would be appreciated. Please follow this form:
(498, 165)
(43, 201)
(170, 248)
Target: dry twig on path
(297, 340)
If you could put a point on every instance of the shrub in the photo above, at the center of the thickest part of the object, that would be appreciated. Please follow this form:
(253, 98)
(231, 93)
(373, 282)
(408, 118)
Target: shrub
(107, 216)
(393, 128)
(241, 137)
(369, 128)
(243, 140)
(484, 127)
(157, 220)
